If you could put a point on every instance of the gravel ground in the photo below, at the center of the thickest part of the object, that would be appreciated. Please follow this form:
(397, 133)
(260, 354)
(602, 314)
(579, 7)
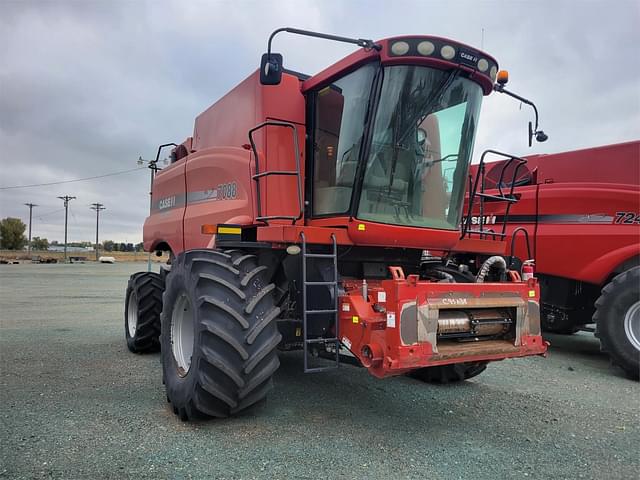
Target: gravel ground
(77, 404)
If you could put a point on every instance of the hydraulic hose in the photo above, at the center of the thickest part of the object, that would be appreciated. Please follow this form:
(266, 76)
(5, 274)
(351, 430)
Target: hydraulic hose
(488, 263)
(446, 277)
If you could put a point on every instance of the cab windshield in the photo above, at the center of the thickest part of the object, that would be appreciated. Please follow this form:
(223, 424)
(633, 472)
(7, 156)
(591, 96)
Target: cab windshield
(422, 142)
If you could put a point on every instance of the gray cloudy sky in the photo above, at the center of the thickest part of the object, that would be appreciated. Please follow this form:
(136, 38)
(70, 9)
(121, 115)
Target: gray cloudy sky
(88, 86)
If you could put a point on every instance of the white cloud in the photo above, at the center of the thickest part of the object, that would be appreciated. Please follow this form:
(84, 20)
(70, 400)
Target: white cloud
(87, 87)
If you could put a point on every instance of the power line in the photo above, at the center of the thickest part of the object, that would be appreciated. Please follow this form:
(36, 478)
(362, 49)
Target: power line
(40, 217)
(74, 180)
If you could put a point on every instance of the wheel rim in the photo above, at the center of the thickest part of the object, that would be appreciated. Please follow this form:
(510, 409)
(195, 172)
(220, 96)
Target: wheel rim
(132, 314)
(182, 334)
(632, 325)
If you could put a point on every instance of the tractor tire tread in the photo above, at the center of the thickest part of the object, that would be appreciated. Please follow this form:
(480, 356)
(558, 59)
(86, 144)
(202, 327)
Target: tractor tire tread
(148, 287)
(235, 352)
(610, 332)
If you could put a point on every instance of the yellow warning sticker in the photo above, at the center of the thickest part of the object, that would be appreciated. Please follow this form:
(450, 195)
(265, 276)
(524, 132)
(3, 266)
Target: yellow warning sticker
(355, 319)
(361, 227)
(532, 293)
(298, 332)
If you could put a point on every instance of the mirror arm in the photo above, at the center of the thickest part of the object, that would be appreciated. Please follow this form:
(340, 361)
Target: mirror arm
(366, 44)
(153, 164)
(501, 89)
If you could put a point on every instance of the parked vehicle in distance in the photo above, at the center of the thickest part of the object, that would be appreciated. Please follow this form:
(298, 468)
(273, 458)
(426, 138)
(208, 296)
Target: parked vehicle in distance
(581, 213)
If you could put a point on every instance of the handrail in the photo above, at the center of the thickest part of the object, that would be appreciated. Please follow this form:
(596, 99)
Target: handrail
(481, 195)
(259, 175)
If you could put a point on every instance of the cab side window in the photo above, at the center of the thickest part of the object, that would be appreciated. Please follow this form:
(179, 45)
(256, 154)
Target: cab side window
(340, 113)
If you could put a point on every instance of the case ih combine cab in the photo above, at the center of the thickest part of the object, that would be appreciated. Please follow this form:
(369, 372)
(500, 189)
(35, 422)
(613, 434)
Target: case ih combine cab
(578, 214)
(298, 216)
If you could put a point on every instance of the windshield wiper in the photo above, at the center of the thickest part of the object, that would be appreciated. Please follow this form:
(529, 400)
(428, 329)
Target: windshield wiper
(428, 105)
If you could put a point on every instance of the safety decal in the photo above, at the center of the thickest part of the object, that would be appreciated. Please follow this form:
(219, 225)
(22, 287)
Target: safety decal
(391, 319)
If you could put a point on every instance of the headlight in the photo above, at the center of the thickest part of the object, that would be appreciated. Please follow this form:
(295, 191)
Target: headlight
(426, 48)
(448, 52)
(399, 48)
(493, 73)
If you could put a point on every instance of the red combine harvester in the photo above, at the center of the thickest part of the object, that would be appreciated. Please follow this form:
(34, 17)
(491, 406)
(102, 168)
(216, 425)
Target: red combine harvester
(298, 216)
(578, 214)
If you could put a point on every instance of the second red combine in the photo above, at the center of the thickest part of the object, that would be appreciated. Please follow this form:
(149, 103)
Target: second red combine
(323, 214)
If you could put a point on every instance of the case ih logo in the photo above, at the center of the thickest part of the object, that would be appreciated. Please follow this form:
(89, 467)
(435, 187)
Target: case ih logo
(469, 57)
(488, 220)
(167, 203)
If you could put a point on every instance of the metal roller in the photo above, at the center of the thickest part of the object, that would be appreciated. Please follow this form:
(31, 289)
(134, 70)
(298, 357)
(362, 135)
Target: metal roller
(480, 322)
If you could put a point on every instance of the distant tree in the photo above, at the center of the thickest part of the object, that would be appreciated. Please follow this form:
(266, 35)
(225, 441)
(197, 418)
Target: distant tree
(130, 247)
(140, 247)
(54, 242)
(107, 245)
(38, 243)
(12, 234)
(122, 247)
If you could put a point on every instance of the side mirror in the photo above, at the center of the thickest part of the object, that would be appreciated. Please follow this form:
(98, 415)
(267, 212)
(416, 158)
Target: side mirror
(271, 69)
(539, 134)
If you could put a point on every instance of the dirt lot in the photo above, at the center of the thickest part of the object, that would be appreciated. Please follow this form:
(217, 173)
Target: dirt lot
(76, 404)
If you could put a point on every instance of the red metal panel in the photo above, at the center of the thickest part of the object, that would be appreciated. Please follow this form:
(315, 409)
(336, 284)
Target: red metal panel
(279, 193)
(363, 326)
(219, 189)
(378, 234)
(572, 213)
(618, 163)
(583, 248)
(168, 202)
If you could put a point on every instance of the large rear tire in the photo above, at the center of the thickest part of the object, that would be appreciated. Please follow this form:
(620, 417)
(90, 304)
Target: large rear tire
(453, 373)
(617, 321)
(142, 307)
(219, 333)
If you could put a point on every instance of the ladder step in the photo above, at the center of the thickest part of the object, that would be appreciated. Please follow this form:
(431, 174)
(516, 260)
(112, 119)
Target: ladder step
(320, 283)
(321, 340)
(320, 311)
(319, 255)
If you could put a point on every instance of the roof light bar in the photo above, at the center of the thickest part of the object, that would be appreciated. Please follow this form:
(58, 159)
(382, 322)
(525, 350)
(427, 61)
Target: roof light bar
(446, 50)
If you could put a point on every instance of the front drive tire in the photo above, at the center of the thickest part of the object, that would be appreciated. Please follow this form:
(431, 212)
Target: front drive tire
(219, 333)
(453, 373)
(142, 307)
(617, 321)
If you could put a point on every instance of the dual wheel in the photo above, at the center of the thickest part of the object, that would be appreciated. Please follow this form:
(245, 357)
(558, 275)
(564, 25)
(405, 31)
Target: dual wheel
(218, 333)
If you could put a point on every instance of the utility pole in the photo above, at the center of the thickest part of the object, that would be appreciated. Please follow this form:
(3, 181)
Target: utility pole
(97, 207)
(30, 205)
(66, 200)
